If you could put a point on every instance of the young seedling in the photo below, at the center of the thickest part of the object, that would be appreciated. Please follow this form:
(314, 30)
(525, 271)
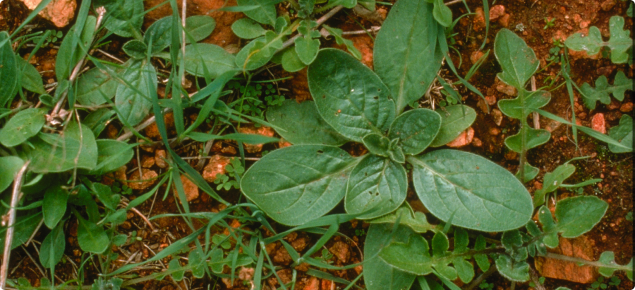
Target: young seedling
(519, 63)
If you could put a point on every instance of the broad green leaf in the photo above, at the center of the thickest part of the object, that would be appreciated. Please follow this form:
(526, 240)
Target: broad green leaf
(133, 99)
(301, 124)
(517, 60)
(620, 40)
(22, 126)
(8, 70)
(264, 13)
(379, 275)
(337, 33)
(54, 205)
(623, 133)
(58, 153)
(31, 78)
(417, 221)
(136, 49)
(405, 55)
(95, 87)
(52, 248)
(377, 144)
(454, 120)
(349, 96)
(377, 186)
(68, 55)
(91, 237)
(247, 29)
(259, 51)
(415, 129)
(208, 60)
(159, 34)
(291, 61)
(198, 27)
(591, 43)
(442, 13)
(602, 90)
(512, 270)
(300, 183)
(476, 192)
(9, 167)
(578, 215)
(112, 154)
(124, 17)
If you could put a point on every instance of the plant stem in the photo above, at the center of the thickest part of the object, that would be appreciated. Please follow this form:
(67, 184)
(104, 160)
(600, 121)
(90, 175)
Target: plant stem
(523, 137)
(320, 21)
(15, 196)
(585, 262)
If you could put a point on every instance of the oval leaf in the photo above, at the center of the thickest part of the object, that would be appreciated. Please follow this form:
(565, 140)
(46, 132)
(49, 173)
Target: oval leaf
(454, 120)
(132, 99)
(297, 184)
(52, 248)
(91, 237)
(349, 96)
(198, 27)
(124, 17)
(95, 87)
(160, 33)
(475, 192)
(377, 186)
(405, 54)
(265, 11)
(416, 129)
(300, 123)
(31, 78)
(54, 205)
(24, 125)
(58, 153)
(208, 60)
(247, 29)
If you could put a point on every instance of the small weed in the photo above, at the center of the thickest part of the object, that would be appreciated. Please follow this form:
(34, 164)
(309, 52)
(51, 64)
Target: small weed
(602, 284)
(232, 179)
(486, 286)
(629, 216)
(325, 256)
(541, 280)
(549, 22)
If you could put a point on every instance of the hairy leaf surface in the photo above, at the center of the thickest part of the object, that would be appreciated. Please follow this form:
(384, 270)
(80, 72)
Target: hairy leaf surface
(405, 55)
(297, 184)
(416, 129)
(377, 186)
(477, 193)
(349, 96)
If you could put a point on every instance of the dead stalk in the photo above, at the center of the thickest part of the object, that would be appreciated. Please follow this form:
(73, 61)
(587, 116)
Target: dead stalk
(535, 114)
(17, 185)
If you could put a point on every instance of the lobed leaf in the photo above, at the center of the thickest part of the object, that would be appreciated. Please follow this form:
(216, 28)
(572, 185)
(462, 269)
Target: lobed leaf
(623, 133)
(620, 40)
(379, 275)
(517, 60)
(602, 90)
